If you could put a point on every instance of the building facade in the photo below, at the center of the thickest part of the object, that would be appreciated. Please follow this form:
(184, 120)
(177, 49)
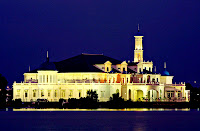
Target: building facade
(71, 78)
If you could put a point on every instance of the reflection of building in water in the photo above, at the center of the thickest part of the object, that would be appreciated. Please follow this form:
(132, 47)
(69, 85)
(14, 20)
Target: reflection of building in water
(73, 77)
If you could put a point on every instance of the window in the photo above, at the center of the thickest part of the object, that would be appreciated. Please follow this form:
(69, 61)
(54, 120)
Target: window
(49, 93)
(107, 69)
(179, 93)
(79, 94)
(34, 93)
(170, 94)
(149, 68)
(47, 78)
(124, 69)
(71, 93)
(26, 94)
(63, 93)
(18, 93)
(55, 93)
(42, 93)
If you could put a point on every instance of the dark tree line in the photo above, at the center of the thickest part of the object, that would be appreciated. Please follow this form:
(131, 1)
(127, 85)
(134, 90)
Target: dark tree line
(88, 102)
(194, 93)
(3, 85)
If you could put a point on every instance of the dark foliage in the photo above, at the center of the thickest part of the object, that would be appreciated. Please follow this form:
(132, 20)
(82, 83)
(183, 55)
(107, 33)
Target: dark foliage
(3, 84)
(116, 102)
(90, 102)
(194, 94)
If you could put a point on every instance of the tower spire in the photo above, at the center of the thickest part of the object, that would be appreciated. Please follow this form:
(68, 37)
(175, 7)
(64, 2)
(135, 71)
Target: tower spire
(29, 69)
(47, 56)
(155, 69)
(138, 28)
(165, 65)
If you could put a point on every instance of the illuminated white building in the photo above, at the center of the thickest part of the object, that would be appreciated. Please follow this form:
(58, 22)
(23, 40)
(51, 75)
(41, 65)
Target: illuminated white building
(73, 77)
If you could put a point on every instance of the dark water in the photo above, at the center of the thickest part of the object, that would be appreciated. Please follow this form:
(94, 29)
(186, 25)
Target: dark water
(99, 120)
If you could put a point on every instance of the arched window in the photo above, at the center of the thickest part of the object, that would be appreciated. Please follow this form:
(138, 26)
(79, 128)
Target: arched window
(148, 78)
(79, 94)
(124, 69)
(34, 93)
(107, 69)
(26, 94)
(42, 93)
(55, 93)
(129, 92)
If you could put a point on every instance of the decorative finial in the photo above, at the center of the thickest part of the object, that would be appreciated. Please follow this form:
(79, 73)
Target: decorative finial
(29, 68)
(138, 28)
(165, 65)
(47, 56)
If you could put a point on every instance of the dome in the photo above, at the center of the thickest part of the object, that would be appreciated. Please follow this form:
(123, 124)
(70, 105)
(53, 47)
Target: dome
(47, 66)
(165, 73)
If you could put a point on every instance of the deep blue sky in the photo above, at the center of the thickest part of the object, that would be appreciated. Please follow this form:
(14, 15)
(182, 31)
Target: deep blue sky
(28, 28)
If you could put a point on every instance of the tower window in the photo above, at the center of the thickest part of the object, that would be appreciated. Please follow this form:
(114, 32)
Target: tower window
(107, 69)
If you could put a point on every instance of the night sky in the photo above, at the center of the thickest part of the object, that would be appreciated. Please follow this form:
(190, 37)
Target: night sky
(66, 28)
